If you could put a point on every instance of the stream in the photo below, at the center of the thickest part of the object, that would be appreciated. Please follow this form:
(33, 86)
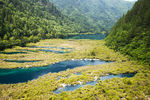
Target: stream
(17, 75)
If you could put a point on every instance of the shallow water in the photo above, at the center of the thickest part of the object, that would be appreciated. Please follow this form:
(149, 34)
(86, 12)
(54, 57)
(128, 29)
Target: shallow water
(49, 47)
(25, 74)
(27, 50)
(71, 88)
(21, 61)
(78, 73)
(55, 51)
(119, 75)
(68, 88)
(13, 52)
(88, 36)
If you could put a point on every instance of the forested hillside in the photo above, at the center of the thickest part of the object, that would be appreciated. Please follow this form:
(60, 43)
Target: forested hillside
(131, 34)
(94, 15)
(23, 21)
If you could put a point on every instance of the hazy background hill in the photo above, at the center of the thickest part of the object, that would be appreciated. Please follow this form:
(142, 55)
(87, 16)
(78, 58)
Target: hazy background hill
(98, 15)
(131, 34)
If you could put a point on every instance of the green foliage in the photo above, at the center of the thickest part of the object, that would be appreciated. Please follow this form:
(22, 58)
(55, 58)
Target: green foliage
(135, 88)
(31, 20)
(131, 34)
(94, 15)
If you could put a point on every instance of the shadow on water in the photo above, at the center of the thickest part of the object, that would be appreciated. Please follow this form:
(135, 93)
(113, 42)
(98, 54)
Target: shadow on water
(74, 87)
(18, 75)
(22, 61)
(97, 36)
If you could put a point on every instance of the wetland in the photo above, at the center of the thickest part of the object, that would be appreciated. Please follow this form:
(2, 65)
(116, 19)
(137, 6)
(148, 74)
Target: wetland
(89, 67)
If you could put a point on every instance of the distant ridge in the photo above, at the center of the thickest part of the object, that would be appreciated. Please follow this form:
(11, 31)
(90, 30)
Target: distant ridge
(94, 15)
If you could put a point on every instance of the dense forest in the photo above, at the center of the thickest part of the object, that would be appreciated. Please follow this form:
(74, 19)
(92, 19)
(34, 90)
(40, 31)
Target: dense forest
(23, 21)
(96, 15)
(131, 34)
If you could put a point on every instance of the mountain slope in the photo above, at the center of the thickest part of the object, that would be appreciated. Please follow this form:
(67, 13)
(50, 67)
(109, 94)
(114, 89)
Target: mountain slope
(131, 34)
(99, 15)
(23, 21)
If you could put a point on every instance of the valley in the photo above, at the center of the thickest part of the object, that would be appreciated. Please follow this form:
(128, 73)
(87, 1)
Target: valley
(74, 50)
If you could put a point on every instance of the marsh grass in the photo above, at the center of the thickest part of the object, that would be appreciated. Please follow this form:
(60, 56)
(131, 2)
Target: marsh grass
(81, 49)
(135, 88)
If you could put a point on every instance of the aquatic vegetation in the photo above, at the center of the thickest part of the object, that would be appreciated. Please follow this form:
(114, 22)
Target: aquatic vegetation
(136, 87)
(13, 52)
(60, 52)
(27, 50)
(21, 61)
(49, 47)
(74, 87)
(97, 46)
(78, 73)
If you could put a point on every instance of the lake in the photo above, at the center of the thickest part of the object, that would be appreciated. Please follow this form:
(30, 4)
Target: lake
(97, 36)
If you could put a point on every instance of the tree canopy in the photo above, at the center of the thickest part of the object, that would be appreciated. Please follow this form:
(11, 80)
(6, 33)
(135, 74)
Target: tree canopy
(131, 34)
(23, 21)
(94, 15)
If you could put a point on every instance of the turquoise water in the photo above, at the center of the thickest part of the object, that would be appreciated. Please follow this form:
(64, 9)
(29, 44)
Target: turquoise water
(18, 75)
(97, 36)
(21, 61)
(72, 88)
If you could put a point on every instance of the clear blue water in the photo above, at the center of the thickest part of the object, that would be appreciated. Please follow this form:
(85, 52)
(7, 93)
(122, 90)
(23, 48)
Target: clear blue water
(72, 88)
(21, 61)
(97, 36)
(18, 75)
(13, 52)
